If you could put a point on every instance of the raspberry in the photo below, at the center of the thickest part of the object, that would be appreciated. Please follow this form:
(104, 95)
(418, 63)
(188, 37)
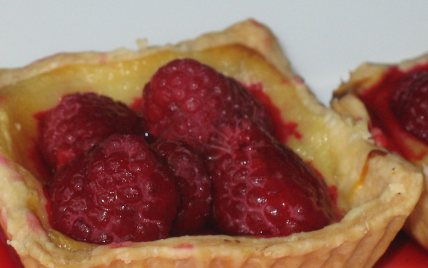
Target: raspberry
(261, 186)
(410, 104)
(185, 100)
(119, 190)
(193, 183)
(81, 120)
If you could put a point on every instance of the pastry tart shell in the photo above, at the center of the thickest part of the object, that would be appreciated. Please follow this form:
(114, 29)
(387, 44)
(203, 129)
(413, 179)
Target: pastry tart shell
(346, 101)
(376, 190)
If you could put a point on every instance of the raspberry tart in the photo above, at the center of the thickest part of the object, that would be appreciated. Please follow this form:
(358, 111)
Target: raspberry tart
(373, 191)
(391, 100)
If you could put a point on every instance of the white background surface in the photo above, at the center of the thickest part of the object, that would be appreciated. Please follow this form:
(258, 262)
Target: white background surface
(324, 40)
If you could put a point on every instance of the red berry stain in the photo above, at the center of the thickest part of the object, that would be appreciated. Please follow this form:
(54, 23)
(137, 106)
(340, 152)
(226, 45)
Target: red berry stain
(44, 174)
(388, 129)
(282, 130)
(403, 253)
(4, 97)
(184, 246)
(136, 105)
(35, 154)
(8, 256)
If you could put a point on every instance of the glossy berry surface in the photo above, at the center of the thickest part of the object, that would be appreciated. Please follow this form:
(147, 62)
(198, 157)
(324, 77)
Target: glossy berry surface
(119, 190)
(185, 100)
(81, 120)
(261, 187)
(410, 104)
(193, 184)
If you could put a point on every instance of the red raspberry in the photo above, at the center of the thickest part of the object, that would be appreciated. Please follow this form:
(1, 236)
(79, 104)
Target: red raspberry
(261, 186)
(193, 183)
(185, 100)
(119, 190)
(410, 104)
(81, 120)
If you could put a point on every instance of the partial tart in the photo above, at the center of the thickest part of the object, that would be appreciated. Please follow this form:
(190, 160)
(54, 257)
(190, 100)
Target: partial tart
(376, 190)
(369, 96)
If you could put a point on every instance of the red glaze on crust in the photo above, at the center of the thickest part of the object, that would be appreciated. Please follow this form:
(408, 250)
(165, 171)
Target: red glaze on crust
(8, 256)
(282, 130)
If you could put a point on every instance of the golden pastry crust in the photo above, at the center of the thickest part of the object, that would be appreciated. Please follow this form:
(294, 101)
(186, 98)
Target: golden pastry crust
(376, 190)
(347, 102)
